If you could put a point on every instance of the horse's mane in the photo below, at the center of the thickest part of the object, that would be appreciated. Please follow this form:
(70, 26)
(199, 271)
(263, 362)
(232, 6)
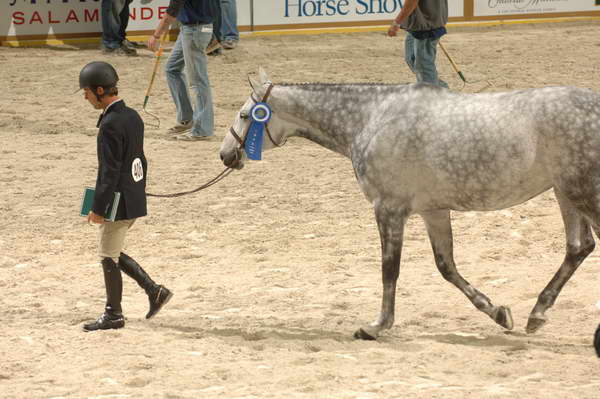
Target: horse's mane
(351, 87)
(341, 84)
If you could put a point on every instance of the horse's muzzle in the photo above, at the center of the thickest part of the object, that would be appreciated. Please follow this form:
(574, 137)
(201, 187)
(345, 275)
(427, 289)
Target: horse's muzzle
(232, 159)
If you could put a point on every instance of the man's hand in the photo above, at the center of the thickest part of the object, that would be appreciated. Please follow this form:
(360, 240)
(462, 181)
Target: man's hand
(393, 30)
(163, 27)
(153, 43)
(94, 218)
(409, 7)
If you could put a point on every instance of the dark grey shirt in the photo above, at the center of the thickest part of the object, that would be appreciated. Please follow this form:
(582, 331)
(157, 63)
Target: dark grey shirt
(429, 14)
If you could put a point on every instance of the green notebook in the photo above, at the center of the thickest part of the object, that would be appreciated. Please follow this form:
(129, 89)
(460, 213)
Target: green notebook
(88, 201)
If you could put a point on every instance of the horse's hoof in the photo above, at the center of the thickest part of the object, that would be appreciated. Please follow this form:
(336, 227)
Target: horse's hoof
(361, 333)
(503, 316)
(535, 323)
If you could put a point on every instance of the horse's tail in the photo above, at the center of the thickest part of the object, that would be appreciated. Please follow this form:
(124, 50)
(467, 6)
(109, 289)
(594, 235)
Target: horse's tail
(597, 340)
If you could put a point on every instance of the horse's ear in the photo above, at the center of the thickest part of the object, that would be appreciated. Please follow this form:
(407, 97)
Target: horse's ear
(254, 84)
(264, 78)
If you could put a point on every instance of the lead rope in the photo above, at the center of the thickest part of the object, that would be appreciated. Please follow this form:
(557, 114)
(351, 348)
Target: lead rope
(215, 180)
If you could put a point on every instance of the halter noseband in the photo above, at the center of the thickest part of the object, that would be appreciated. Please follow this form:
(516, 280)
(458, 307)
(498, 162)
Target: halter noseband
(242, 140)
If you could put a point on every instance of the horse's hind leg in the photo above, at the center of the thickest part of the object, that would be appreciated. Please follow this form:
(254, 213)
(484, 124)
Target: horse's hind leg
(440, 235)
(580, 243)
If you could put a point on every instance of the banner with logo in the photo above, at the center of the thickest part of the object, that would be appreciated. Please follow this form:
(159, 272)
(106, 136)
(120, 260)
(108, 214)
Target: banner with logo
(307, 12)
(35, 19)
(484, 8)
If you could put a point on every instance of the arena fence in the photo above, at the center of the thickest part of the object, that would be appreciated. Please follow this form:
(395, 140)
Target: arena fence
(43, 22)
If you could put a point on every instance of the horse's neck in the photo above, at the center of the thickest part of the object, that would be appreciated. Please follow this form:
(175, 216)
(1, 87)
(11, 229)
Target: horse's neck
(327, 115)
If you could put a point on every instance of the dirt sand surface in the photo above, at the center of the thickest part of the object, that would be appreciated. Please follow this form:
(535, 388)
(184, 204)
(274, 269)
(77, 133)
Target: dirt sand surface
(275, 267)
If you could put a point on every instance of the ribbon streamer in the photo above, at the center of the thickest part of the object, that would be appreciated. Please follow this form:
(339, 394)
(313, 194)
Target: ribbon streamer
(260, 115)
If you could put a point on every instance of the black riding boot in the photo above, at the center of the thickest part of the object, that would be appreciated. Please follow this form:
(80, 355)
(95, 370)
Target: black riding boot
(158, 295)
(112, 317)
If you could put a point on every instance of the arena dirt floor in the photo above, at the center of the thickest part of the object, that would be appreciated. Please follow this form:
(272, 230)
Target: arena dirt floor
(275, 267)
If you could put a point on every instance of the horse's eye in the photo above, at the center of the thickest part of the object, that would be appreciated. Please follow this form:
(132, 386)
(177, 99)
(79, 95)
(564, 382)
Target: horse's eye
(243, 115)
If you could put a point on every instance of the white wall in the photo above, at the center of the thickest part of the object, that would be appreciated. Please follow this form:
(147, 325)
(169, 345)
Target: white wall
(63, 17)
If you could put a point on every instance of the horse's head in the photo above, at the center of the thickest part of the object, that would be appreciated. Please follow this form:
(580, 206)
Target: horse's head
(255, 110)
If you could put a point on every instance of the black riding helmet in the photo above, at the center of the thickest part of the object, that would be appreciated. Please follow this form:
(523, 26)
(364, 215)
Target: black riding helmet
(98, 74)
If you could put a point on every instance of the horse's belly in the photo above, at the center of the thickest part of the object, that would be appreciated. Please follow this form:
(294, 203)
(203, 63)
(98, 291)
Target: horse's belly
(486, 195)
(494, 200)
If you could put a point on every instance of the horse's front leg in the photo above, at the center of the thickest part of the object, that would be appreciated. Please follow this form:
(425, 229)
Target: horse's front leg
(440, 235)
(391, 230)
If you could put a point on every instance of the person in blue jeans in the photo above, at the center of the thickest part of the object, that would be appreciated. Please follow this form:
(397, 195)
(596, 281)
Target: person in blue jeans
(229, 30)
(115, 18)
(198, 20)
(425, 22)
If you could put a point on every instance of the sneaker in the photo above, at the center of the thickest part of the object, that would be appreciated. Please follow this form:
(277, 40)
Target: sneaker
(107, 50)
(158, 301)
(190, 137)
(105, 322)
(213, 46)
(230, 44)
(124, 50)
(180, 127)
(133, 45)
(215, 52)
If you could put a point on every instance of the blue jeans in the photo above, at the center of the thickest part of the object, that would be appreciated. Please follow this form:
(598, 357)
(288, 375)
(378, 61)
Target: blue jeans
(189, 52)
(229, 30)
(420, 57)
(115, 18)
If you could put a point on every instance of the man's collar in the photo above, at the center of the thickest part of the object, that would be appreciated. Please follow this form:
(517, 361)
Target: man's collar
(106, 110)
(111, 104)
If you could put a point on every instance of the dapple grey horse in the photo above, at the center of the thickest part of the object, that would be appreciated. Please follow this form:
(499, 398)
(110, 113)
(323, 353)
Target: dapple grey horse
(420, 149)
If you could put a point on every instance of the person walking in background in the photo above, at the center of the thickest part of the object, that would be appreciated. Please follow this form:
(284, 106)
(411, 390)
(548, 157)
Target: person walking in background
(425, 22)
(122, 168)
(229, 30)
(198, 18)
(115, 18)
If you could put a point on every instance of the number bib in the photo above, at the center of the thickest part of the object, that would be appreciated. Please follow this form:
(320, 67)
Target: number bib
(137, 170)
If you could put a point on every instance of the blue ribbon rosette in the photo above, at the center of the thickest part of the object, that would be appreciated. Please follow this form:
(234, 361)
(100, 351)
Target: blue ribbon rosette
(260, 115)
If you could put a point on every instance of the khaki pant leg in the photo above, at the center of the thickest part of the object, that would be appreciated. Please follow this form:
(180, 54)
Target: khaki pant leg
(112, 238)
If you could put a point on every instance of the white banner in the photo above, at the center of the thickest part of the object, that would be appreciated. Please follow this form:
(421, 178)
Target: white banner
(484, 8)
(56, 17)
(59, 17)
(284, 12)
